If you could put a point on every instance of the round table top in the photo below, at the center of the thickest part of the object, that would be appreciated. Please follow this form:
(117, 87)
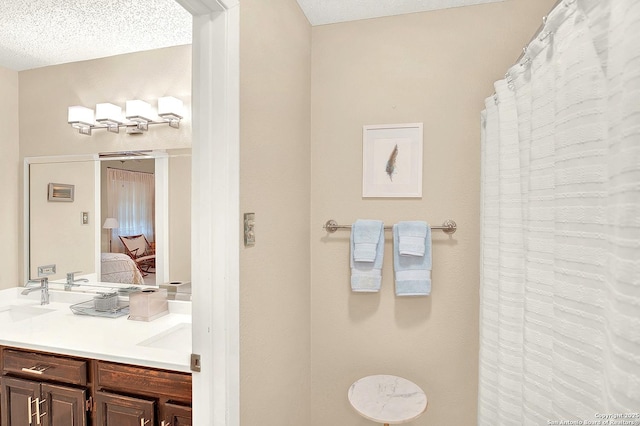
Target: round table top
(387, 399)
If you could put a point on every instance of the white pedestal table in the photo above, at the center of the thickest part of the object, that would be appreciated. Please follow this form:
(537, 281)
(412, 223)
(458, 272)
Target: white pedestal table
(387, 399)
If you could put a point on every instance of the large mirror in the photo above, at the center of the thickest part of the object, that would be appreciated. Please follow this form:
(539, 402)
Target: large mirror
(117, 217)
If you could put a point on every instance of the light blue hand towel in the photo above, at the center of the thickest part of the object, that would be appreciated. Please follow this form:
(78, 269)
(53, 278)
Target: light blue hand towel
(367, 276)
(412, 273)
(411, 238)
(366, 234)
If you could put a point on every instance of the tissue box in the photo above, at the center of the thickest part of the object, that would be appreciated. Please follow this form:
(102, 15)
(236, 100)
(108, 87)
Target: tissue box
(148, 304)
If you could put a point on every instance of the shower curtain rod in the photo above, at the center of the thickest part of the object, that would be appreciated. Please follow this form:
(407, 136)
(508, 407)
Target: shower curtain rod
(537, 33)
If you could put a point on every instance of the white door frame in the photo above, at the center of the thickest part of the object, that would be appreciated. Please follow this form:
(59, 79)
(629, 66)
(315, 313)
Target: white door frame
(215, 210)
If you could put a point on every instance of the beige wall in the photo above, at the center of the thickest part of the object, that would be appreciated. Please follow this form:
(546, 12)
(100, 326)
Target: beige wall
(435, 68)
(275, 71)
(10, 178)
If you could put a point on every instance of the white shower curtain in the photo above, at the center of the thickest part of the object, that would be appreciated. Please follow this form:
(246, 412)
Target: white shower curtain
(560, 274)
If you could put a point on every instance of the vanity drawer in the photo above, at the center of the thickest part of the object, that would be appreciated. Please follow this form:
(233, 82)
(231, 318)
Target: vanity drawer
(44, 367)
(134, 379)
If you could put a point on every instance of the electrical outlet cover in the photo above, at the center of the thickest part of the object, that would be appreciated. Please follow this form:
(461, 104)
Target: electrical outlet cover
(45, 270)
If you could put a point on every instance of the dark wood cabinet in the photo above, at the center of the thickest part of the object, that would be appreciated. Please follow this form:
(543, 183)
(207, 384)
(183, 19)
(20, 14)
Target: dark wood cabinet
(64, 406)
(44, 389)
(19, 398)
(27, 402)
(45, 367)
(175, 415)
(130, 385)
(121, 410)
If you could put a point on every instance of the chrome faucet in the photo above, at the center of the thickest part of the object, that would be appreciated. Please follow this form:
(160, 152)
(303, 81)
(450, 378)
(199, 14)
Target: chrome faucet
(72, 281)
(43, 286)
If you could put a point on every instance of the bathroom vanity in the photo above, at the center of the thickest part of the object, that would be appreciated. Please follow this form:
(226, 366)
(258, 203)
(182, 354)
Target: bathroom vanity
(51, 389)
(61, 369)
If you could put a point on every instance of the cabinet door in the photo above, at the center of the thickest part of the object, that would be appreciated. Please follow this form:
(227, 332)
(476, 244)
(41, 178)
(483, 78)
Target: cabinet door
(63, 406)
(175, 415)
(120, 410)
(19, 401)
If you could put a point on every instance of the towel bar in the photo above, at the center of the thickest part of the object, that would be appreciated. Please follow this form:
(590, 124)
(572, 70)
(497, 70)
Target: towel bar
(448, 226)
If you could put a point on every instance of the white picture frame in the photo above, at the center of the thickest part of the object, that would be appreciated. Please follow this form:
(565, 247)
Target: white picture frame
(392, 161)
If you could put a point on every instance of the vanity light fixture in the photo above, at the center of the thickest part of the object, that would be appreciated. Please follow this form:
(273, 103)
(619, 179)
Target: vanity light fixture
(137, 118)
(139, 112)
(171, 109)
(109, 115)
(81, 118)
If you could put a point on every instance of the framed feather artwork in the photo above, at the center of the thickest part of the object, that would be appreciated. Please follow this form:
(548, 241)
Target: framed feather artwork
(392, 161)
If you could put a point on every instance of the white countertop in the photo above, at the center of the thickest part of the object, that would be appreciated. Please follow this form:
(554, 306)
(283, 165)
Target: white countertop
(162, 343)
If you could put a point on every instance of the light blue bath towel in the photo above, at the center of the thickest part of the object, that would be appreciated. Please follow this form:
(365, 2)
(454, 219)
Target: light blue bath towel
(412, 273)
(366, 274)
(411, 238)
(366, 234)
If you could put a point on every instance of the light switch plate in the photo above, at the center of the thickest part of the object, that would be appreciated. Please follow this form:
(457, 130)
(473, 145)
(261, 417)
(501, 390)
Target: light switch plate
(85, 218)
(249, 229)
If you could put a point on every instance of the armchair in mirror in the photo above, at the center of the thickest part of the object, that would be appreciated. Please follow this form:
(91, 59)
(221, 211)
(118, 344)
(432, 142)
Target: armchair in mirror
(116, 198)
(141, 252)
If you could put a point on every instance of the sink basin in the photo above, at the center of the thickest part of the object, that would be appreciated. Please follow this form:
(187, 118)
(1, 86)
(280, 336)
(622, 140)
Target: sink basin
(178, 336)
(15, 313)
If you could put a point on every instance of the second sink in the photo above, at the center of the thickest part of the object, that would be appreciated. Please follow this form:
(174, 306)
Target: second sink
(178, 336)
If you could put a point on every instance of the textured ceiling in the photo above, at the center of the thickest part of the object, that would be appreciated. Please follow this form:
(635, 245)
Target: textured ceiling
(320, 12)
(37, 33)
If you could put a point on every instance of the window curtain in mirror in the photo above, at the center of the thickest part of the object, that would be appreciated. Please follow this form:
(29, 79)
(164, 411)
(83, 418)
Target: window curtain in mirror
(560, 223)
(131, 200)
